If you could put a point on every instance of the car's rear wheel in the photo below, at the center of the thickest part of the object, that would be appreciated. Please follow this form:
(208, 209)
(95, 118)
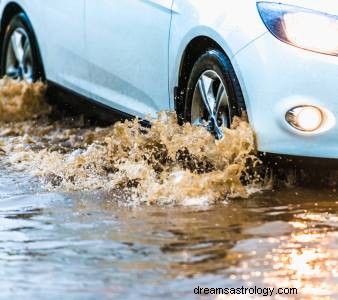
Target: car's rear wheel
(20, 57)
(213, 96)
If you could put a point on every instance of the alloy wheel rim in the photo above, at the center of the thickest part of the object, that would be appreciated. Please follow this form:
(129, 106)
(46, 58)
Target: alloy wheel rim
(210, 104)
(19, 57)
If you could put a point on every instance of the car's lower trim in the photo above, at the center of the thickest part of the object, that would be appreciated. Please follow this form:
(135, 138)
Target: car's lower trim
(60, 95)
(274, 160)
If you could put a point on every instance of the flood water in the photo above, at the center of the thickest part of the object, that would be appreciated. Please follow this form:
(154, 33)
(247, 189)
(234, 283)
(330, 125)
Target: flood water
(86, 246)
(97, 213)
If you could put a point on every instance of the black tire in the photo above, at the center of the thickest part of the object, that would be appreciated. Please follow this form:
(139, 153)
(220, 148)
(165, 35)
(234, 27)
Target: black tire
(217, 61)
(21, 21)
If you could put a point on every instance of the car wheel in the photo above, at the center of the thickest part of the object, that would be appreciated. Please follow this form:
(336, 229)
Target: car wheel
(213, 95)
(20, 57)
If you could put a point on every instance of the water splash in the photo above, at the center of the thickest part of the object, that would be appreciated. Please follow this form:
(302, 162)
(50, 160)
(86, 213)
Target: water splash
(166, 163)
(21, 101)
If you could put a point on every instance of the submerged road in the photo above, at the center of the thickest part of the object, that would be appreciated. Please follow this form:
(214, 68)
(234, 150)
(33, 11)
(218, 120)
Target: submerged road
(87, 246)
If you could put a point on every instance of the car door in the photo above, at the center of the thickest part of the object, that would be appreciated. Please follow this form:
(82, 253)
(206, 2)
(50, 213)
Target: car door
(64, 46)
(127, 44)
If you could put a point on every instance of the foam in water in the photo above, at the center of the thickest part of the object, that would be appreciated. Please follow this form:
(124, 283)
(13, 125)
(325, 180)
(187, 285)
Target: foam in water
(166, 163)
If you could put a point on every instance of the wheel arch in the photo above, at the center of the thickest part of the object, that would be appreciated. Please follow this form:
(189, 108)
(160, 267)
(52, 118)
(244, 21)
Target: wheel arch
(196, 47)
(9, 11)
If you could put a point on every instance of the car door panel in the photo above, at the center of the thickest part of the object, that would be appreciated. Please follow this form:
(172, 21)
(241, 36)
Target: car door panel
(127, 44)
(65, 43)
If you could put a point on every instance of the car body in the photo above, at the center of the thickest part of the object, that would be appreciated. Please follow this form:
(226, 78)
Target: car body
(131, 54)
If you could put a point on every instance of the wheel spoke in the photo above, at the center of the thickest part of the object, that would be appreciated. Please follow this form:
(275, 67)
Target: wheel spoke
(210, 106)
(27, 52)
(17, 46)
(222, 109)
(219, 97)
(218, 131)
(204, 85)
(27, 63)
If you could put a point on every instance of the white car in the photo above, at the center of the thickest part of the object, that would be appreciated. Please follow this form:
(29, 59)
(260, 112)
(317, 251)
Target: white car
(208, 60)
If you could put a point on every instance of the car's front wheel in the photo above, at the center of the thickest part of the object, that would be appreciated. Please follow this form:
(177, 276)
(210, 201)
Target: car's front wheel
(20, 58)
(213, 96)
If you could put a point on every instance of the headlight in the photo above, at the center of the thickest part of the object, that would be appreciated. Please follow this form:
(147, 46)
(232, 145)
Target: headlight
(303, 28)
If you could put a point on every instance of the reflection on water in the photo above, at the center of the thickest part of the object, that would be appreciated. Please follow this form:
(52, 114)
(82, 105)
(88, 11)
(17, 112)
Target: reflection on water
(86, 246)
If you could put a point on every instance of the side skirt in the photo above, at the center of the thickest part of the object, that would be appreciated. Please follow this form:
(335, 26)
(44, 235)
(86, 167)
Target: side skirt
(290, 161)
(73, 102)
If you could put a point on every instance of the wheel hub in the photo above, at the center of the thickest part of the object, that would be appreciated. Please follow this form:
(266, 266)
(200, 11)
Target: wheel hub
(210, 104)
(19, 59)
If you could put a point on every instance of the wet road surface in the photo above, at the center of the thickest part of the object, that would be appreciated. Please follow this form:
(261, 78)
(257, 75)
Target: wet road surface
(86, 246)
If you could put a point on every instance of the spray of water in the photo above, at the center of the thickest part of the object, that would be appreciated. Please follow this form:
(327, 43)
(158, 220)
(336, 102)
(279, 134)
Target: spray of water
(20, 101)
(166, 163)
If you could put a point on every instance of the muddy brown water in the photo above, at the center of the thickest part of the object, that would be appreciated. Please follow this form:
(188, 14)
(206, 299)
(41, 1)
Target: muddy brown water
(112, 213)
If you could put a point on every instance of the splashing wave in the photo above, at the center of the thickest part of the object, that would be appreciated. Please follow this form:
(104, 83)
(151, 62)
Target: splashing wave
(166, 163)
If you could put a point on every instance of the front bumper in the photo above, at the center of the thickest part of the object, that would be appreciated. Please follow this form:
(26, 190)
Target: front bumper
(275, 77)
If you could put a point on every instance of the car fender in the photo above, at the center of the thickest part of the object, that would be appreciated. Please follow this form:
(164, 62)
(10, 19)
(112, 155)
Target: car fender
(232, 27)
